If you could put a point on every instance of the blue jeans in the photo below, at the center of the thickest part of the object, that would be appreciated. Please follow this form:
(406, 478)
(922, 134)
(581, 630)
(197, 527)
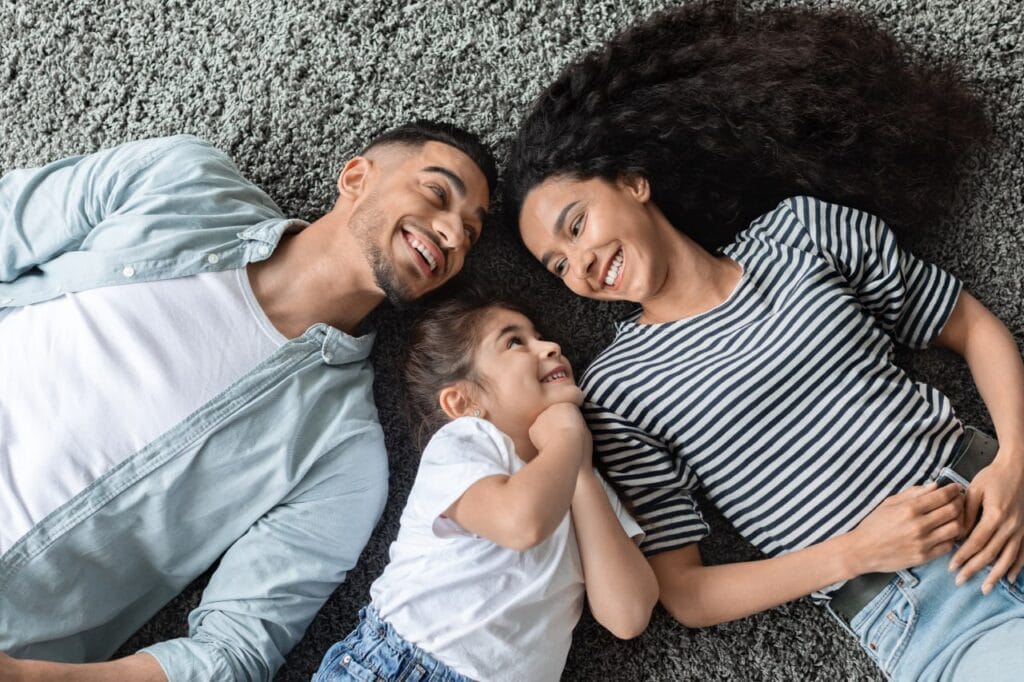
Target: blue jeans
(374, 652)
(921, 626)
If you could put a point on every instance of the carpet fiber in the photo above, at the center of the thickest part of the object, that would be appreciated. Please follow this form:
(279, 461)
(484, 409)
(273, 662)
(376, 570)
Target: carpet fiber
(291, 89)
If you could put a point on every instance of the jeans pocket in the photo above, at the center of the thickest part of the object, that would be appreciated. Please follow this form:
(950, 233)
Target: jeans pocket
(884, 632)
(1015, 589)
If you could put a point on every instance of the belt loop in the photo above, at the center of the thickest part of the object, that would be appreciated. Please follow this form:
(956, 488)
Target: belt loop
(908, 578)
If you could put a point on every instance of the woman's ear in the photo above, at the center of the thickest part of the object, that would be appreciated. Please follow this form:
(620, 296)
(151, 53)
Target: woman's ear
(457, 401)
(638, 187)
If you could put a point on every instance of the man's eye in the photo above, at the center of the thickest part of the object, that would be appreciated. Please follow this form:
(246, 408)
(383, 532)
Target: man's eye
(439, 191)
(576, 227)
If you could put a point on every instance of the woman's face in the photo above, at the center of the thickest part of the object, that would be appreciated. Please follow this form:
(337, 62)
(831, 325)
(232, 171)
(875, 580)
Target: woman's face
(602, 239)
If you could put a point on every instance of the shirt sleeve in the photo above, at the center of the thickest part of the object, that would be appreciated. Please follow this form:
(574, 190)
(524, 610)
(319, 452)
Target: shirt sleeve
(910, 298)
(275, 578)
(460, 454)
(654, 480)
(53, 209)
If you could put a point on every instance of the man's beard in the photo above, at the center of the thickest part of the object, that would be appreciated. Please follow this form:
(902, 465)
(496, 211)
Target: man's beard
(368, 224)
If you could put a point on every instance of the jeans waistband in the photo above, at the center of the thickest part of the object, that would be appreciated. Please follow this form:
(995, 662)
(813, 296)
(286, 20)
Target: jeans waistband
(974, 452)
(374, 626)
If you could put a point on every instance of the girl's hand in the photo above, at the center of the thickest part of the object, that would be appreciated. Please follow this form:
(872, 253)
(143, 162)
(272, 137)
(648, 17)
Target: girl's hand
(909, 528)
(558, 422)
(997, 539)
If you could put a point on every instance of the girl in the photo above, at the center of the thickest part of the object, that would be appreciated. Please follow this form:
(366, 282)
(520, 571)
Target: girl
(486, 579)
(758, 369)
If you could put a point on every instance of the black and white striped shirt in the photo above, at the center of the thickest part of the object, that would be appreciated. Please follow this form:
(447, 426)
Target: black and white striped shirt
(782, 404)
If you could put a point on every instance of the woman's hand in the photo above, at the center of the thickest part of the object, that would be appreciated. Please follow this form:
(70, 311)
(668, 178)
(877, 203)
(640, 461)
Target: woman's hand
(997, 538)
(909, 528)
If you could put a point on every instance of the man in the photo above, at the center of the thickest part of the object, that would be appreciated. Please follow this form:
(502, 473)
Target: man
(181, 378)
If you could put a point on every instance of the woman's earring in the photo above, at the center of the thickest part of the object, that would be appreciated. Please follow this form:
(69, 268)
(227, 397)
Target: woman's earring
(476, 412)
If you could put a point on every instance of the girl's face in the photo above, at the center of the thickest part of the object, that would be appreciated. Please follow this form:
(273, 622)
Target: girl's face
(604, 240)
(521, 374)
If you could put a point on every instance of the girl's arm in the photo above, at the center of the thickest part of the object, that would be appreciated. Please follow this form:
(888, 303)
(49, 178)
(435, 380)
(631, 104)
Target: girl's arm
(997, 539)
(906, 529)
(621, 587)
(522, 510)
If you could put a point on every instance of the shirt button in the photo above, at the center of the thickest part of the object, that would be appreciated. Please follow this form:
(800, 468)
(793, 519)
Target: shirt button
(213, 259)
(328, 356)
(128, 271)
(263, 250)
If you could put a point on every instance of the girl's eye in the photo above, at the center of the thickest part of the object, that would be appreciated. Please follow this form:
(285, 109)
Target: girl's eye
(576, 227)
(514, 341)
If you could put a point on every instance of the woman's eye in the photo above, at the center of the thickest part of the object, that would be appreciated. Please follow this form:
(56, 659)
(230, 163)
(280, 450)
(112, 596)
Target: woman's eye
(576, 227)
(560, 267)
(470, 235)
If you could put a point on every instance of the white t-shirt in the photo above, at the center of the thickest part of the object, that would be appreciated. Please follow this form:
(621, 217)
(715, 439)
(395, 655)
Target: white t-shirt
(488, 612)
(87, 379)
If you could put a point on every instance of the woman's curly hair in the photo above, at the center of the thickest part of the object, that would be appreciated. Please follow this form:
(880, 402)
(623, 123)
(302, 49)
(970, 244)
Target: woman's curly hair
(727, 111)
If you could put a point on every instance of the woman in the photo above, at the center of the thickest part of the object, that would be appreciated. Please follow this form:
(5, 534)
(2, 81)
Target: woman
(758, 369)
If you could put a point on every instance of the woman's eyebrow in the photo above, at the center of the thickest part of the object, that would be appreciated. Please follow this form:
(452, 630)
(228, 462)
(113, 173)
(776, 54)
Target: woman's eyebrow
(557, 228)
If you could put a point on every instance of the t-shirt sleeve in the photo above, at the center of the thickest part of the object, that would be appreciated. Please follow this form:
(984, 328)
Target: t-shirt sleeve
(655, 481)
(910, 298)
(460, 454)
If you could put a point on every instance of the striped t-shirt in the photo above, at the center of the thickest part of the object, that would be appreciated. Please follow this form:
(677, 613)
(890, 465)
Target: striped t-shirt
(782, 404)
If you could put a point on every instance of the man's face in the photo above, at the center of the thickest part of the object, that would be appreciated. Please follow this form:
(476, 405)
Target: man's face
(420, 212)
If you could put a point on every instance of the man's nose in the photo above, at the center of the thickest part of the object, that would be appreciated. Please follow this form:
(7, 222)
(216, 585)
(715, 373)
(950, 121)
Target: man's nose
(450, 230)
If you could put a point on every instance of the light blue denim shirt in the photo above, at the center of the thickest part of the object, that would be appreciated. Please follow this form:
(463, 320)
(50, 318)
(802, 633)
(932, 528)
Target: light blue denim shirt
(284, 473)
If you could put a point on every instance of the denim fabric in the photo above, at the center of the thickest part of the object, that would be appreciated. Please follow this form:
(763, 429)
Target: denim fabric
(375, 652)
(923, 627)
(283, 475)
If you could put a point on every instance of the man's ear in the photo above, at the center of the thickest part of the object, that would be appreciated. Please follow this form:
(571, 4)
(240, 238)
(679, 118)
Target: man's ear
(354, 176)
(456, 401)
(637, 186)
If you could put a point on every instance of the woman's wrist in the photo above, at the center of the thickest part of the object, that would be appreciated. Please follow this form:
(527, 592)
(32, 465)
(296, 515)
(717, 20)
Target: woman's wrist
(851, 555)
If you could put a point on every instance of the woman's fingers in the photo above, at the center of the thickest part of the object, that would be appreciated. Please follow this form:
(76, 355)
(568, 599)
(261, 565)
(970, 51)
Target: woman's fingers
(1006, 559)
(994, 541)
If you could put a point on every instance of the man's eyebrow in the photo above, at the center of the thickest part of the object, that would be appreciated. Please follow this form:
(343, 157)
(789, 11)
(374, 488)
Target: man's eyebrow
(456, 181)
(559, 224)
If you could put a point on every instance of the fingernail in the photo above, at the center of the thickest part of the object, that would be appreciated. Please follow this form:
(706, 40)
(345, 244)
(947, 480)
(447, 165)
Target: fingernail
(959, 580)
(953, 565)
(985, 589)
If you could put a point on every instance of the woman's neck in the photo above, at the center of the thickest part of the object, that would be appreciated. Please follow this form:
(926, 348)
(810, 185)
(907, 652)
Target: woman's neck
(695, 281)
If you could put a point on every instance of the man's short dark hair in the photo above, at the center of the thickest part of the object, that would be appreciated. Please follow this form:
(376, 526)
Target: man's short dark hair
(417, 133)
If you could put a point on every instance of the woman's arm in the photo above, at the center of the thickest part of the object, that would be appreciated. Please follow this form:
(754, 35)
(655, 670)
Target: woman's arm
(906, 529)
(522, 510)
(621, 587)
(997, 539)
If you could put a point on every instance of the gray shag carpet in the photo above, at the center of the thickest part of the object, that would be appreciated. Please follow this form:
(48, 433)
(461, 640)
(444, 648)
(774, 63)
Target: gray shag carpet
(291, 89)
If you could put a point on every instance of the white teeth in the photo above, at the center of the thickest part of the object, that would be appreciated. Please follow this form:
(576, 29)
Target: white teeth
(418, 245)
(613, 271)
(555, 377)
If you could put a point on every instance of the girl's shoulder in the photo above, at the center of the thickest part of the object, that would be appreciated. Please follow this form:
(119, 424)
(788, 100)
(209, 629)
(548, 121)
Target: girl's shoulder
(469, 437)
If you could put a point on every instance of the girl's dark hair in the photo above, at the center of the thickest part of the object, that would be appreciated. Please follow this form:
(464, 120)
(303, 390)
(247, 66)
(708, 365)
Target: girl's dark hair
(440, 352)
(727, 111)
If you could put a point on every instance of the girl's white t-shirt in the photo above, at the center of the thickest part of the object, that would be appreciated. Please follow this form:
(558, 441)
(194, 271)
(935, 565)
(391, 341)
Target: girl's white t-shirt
(488, 612)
